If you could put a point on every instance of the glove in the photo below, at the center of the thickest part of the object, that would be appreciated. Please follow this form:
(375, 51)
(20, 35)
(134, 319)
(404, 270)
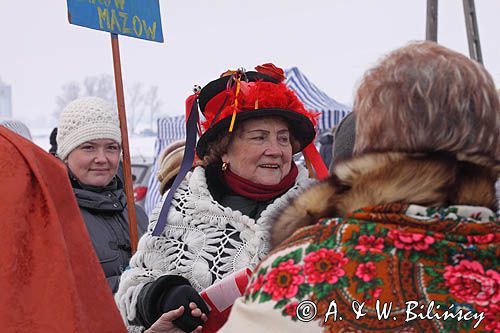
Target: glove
(183, 295)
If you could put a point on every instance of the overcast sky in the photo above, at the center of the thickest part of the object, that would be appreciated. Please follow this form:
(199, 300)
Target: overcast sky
(331, 41)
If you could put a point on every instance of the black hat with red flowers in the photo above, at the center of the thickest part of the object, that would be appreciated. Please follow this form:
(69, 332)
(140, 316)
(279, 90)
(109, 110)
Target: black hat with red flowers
(234, 97)
(239, 95)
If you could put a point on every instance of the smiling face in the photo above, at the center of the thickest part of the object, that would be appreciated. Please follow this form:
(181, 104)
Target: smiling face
(261, 150)
(95, 162)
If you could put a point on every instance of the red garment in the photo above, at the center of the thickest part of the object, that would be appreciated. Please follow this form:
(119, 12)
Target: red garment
(259, 192)
(220, 298)
(50, 279)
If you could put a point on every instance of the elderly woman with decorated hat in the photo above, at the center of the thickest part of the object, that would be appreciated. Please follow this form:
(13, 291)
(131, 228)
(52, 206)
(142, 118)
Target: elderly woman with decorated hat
(89, 143)
(217, 219)
(407, 239)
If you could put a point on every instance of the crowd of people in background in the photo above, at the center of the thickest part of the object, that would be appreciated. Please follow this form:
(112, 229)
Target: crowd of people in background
(407, 216)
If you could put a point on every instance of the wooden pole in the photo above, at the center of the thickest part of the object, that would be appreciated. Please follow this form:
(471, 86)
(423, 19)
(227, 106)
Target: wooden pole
(472, 30)
(432, 20)
(120, 99)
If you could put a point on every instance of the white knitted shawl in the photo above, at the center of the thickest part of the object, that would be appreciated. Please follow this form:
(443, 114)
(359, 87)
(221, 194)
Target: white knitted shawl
(203, 241)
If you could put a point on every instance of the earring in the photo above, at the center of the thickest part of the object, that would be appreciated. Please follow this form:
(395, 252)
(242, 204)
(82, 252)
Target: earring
(225, 165)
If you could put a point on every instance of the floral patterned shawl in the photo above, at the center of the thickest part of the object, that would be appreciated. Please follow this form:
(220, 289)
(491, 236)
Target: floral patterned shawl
(431, 266)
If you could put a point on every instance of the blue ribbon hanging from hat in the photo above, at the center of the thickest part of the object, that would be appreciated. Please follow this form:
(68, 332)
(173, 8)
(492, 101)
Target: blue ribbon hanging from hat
(187, 161)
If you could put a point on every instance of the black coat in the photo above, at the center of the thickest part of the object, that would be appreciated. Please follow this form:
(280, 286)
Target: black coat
(105, 214)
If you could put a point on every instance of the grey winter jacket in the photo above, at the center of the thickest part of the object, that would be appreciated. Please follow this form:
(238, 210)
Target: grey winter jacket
(105, 214)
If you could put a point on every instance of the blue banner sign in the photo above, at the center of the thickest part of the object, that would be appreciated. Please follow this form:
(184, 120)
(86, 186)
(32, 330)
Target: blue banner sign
(134, 18)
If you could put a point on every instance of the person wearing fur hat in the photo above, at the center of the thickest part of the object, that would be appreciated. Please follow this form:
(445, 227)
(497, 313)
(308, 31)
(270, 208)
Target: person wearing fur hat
(170, 163)
(408, 223)
(216, 220)
(89, 143)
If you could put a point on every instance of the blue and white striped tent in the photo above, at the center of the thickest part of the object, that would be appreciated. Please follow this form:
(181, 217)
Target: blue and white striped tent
(313, 98)
(171, 129)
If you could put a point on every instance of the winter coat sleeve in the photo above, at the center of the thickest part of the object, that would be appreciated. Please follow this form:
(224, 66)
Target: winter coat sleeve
(142, 220)
(150, 299)
(113, 282)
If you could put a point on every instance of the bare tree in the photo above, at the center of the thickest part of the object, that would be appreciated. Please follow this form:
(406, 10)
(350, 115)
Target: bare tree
(100, 86)
(135, 105)
(70, 92)
(153, 103)
(139, 99)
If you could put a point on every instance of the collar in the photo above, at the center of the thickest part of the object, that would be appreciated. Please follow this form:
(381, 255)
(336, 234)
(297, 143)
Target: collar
(430, 180)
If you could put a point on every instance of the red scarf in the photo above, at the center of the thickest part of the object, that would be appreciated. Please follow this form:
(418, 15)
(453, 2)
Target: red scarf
(259, 192)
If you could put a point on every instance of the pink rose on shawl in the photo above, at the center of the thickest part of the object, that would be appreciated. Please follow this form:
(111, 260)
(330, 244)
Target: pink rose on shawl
(438, 235)
(370, 243)
(407, 240)
(469, 282)
(481, 239)
(284, 280)
(324, 266)
(491, 317)
(257, 284)
(366, 271)
(291, 309)
(376, 294)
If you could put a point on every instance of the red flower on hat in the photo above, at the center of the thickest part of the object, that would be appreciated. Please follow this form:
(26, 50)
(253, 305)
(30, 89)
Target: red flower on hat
(270, 70)
(268, 95)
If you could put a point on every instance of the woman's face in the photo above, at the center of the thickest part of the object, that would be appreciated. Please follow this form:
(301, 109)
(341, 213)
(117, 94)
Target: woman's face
(95, 162)
(261, 151)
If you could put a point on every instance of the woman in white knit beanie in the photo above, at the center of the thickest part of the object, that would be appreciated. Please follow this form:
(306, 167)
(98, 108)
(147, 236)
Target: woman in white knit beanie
(89, 143)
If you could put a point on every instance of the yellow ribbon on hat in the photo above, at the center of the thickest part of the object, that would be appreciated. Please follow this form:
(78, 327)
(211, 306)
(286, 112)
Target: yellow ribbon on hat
(235, 106)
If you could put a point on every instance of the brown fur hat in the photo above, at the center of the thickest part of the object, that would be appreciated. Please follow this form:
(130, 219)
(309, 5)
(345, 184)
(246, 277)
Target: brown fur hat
(383, 178)
(425, 98)
(170, 162)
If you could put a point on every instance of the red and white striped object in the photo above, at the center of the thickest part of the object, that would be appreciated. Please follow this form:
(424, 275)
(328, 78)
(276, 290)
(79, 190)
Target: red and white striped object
(220, 298)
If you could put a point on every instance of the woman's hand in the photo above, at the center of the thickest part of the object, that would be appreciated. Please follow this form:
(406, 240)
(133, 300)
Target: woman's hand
(164, 324)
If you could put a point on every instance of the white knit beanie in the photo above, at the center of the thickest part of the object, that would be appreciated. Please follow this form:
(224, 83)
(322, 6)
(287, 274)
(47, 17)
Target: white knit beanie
(86, 119)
